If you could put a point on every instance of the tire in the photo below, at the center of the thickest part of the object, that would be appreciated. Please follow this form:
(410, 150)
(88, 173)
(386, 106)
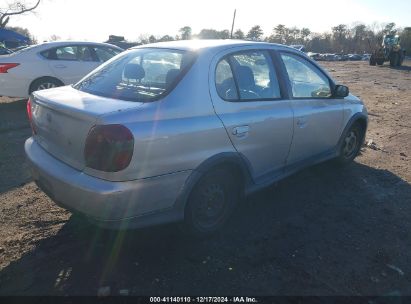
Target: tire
(351, 144)
(394, 60)
(380, 61)
(372, 61)
(401, 59)
(211, 203)
(44, 83)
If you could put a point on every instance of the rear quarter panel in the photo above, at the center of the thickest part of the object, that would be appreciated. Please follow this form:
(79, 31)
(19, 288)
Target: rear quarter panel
(31, 66)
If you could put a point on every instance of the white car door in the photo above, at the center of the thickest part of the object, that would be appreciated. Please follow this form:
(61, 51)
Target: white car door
(72, 62)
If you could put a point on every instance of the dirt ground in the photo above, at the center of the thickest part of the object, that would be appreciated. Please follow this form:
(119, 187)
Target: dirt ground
(319, 232)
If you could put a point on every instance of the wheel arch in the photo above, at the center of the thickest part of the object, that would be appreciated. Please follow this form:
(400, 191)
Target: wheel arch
(231, 161)
(43, 77)
(358, 118)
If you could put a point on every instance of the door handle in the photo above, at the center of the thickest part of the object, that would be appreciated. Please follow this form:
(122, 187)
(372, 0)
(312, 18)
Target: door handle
(60, 66)
(241, 131)
(302, 121)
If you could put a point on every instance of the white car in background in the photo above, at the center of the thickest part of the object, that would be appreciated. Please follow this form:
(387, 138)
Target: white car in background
(50, 64)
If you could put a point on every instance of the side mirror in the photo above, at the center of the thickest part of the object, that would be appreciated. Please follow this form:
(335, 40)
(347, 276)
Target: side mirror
(341, 91)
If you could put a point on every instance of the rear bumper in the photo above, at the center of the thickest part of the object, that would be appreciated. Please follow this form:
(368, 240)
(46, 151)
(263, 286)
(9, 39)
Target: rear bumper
(129, 204)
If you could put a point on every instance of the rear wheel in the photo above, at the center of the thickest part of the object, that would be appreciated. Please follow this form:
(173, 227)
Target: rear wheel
(372, 60)
(351, 145)
(401, 59)
(211, 203)
(380, 61)
(44, 83)
(394, 59)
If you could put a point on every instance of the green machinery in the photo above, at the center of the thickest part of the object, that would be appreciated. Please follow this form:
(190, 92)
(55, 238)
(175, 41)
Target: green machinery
(390, 50)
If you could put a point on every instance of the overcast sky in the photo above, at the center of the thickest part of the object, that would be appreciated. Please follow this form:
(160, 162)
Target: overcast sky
(94, 20)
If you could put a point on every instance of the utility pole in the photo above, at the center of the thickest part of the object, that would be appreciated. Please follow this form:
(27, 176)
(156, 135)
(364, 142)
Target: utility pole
(232, 26)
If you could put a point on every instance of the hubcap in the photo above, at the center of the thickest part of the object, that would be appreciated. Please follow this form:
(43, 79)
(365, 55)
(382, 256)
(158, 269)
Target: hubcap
(46, 85)
(210, 209)
(350, 144)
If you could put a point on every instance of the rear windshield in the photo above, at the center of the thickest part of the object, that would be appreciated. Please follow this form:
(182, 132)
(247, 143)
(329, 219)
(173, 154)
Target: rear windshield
(144, 74)
(26, 48)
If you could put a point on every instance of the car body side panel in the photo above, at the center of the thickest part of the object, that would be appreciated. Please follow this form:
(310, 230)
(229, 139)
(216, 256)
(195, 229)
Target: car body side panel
(317, 124)
(176, 133)
(352, 106)
(354, 111)
(317, 121)
(71, 71)
(16, 81)
(266, 144)
(14, 86)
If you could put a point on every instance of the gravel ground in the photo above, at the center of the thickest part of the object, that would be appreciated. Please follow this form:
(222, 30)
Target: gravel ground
(319, 232)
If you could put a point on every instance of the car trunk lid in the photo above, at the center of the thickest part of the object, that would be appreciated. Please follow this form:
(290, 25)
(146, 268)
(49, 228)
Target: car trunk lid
(63, 117)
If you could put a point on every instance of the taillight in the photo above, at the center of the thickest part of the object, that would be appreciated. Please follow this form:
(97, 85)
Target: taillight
(4, 67)
(109, 148)
(30, 115)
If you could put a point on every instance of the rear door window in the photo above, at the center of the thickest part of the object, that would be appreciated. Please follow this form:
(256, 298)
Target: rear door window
(85, 53)
(61, 53)
(66, 53)
(255, 76)
(247, 75)
(224, 81)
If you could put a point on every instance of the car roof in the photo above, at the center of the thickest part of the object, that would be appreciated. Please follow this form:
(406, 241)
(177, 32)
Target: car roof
(64, 42)
(51, 44)
(201, 44)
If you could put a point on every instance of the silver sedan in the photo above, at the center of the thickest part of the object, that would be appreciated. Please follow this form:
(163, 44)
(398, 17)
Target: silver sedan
(181, 131)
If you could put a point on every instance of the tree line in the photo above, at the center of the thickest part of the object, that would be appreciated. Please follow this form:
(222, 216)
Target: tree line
(357, 38)
(342, 38)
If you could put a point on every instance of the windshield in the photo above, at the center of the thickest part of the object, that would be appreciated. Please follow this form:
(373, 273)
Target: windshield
(390, 40)
(141, 75)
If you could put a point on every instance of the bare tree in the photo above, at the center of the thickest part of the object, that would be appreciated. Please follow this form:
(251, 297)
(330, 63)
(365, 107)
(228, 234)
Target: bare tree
(152, 39)
(185, 33)
(54, 38)
(16, 8)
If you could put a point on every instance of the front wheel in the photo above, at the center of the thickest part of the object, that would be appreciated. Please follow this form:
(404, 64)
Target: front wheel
(211, 203)
(351, 145)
